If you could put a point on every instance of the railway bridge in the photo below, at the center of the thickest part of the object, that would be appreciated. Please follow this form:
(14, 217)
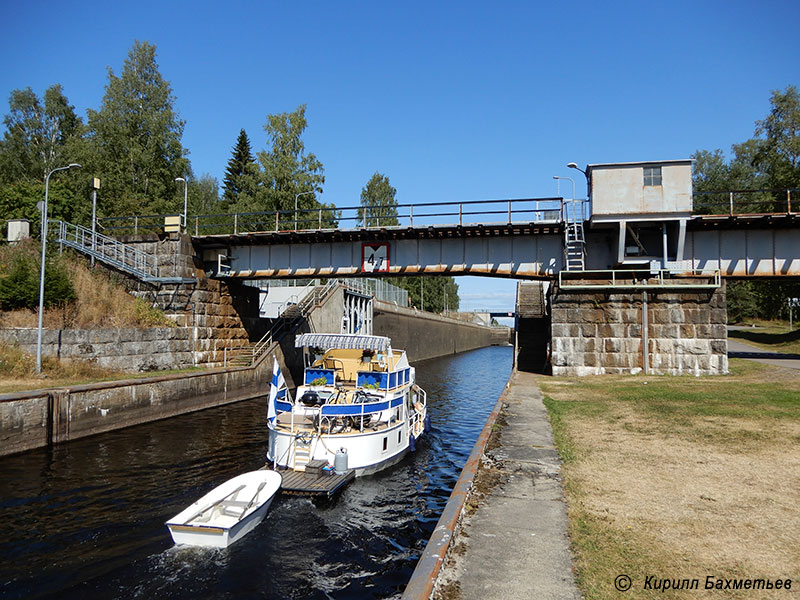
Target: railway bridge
(632, 277)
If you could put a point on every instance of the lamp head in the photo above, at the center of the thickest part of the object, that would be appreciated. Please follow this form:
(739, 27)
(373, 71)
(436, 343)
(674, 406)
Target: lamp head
(572, 165)
(74, 166)
(181, 179)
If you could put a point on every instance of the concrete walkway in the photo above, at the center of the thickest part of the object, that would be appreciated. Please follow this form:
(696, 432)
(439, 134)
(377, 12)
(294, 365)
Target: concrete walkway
(737, 349)
(515, 545)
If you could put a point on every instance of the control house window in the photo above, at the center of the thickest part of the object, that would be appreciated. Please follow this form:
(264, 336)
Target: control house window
(652, 175)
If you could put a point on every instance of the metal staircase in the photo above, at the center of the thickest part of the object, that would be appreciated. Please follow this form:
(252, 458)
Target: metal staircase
(574, 240)
(121, 256)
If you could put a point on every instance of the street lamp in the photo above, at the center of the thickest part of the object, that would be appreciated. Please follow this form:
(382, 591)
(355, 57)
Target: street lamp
(41, 275)
(295, 206)
(573, 184)
(575, 166)
(185, 199)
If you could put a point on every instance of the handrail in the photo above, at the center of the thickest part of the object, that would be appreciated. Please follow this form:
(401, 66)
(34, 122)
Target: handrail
(312, 299)
(624, 279)
(527, 210)
(108, 249)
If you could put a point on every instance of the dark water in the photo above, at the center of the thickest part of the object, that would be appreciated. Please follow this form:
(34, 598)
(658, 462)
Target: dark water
(86, 519)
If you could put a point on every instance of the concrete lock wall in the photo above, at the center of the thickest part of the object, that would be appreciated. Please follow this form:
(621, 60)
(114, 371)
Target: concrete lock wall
(35, 419)
(424, 335)
(602, 332)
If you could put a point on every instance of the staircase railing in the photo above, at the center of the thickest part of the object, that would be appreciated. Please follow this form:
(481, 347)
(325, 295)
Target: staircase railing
(122, 256)
(304, 307)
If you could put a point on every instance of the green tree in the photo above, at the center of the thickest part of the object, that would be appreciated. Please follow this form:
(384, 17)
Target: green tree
(768, 161)
(434, 294)
(40, 135)
(378, 203)
(136, 138)
(288, 170)
(778, 153)
(204, 196)
(239, 175)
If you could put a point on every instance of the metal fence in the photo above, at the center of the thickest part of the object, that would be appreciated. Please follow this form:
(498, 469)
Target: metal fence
(742, 202)
(487, 212)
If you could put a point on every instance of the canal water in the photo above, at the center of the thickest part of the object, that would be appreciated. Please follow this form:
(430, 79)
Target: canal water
(86, 519)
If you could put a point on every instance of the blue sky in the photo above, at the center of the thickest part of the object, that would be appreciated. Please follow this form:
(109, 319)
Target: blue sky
(451, 100)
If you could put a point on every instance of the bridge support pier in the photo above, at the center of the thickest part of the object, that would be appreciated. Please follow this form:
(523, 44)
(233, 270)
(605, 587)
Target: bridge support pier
(663, 332)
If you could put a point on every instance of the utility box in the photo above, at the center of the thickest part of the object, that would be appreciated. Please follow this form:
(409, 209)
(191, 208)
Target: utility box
(18, 229)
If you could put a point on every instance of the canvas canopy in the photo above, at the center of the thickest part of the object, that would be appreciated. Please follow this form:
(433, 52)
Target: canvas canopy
(343, 341)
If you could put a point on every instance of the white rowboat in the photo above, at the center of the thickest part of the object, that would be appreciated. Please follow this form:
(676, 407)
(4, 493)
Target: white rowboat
(228, 512)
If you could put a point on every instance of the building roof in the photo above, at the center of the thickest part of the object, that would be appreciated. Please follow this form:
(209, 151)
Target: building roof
(644, 163)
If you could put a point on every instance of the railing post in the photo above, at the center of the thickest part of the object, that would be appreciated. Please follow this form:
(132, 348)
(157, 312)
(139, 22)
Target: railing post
(459, 213)
(789, 201)
(319, 226)
(196, 226)
(136, 225)
(509, 212)
(730, 196)
(411, 214)
(276, 220)
(236, 224)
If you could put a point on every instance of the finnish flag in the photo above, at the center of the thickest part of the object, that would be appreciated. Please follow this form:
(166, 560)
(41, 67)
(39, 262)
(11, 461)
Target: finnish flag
(276, 390)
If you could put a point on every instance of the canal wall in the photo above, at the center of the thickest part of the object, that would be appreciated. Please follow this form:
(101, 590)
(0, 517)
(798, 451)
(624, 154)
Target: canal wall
(43, 417)
(425, 335)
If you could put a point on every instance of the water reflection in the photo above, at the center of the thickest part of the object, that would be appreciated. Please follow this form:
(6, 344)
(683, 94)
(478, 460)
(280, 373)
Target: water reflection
(87, 518)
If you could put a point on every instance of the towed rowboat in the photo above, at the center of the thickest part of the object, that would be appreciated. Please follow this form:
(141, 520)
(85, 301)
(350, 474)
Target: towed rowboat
(228, 512)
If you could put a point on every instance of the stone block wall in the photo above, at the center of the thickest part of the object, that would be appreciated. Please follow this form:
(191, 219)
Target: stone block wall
(221, 316)
(126, 349)
(595, 333)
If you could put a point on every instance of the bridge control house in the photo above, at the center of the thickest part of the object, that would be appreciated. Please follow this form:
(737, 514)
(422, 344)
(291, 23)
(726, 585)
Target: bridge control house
(637, 306)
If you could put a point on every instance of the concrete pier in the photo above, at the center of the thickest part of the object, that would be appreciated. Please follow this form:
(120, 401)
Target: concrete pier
(511, 539)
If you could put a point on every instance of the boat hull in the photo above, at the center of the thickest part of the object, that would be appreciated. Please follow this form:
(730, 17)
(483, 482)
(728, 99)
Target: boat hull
(218, 520)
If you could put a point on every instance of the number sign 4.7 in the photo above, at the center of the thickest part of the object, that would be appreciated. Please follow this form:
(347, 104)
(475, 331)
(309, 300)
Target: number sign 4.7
(375, 258)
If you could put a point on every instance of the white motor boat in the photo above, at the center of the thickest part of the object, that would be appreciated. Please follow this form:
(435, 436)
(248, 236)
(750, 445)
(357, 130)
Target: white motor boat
(358, 408)
(228, 512)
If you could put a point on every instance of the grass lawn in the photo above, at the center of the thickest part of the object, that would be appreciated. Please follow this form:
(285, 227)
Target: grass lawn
(770, 335)
(18, 372)
(681, 477)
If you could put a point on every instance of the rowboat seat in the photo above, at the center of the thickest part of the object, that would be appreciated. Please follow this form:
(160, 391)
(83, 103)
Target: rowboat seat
(233, 508)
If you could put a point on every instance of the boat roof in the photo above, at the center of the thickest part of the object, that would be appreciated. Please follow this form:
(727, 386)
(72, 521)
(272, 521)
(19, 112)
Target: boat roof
(343, 341)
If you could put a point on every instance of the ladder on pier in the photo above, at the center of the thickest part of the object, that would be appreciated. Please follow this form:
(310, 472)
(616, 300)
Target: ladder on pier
(574, 239)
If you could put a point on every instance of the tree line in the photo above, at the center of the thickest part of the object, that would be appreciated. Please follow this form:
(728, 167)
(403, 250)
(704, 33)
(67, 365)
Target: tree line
(133, 144)
(766, 165)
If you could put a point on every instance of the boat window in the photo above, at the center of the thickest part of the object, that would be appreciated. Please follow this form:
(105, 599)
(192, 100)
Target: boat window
(399, 433)
(385, 444)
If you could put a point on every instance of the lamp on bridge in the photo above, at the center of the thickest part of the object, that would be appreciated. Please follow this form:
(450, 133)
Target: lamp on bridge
(575, 166)
(41, 277)
(185, 198)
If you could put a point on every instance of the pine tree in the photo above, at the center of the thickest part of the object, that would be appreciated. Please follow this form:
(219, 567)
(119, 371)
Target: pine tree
(238, 168)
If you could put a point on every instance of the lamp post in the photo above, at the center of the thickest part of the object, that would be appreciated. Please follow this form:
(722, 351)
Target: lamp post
(185, 199)
(295, 206)
(41, 275)
(575, 166)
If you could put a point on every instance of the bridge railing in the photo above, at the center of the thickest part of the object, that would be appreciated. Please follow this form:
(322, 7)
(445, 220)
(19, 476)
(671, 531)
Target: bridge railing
(742, 202)
(487, 212)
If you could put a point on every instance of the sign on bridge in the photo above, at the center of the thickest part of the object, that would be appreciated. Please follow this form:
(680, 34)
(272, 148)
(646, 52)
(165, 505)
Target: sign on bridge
(375, 257)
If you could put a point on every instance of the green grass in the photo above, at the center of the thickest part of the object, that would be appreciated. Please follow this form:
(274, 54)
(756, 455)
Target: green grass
(750, 412)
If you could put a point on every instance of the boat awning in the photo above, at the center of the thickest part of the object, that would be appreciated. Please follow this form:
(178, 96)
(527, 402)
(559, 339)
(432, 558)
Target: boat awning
(343, 341)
